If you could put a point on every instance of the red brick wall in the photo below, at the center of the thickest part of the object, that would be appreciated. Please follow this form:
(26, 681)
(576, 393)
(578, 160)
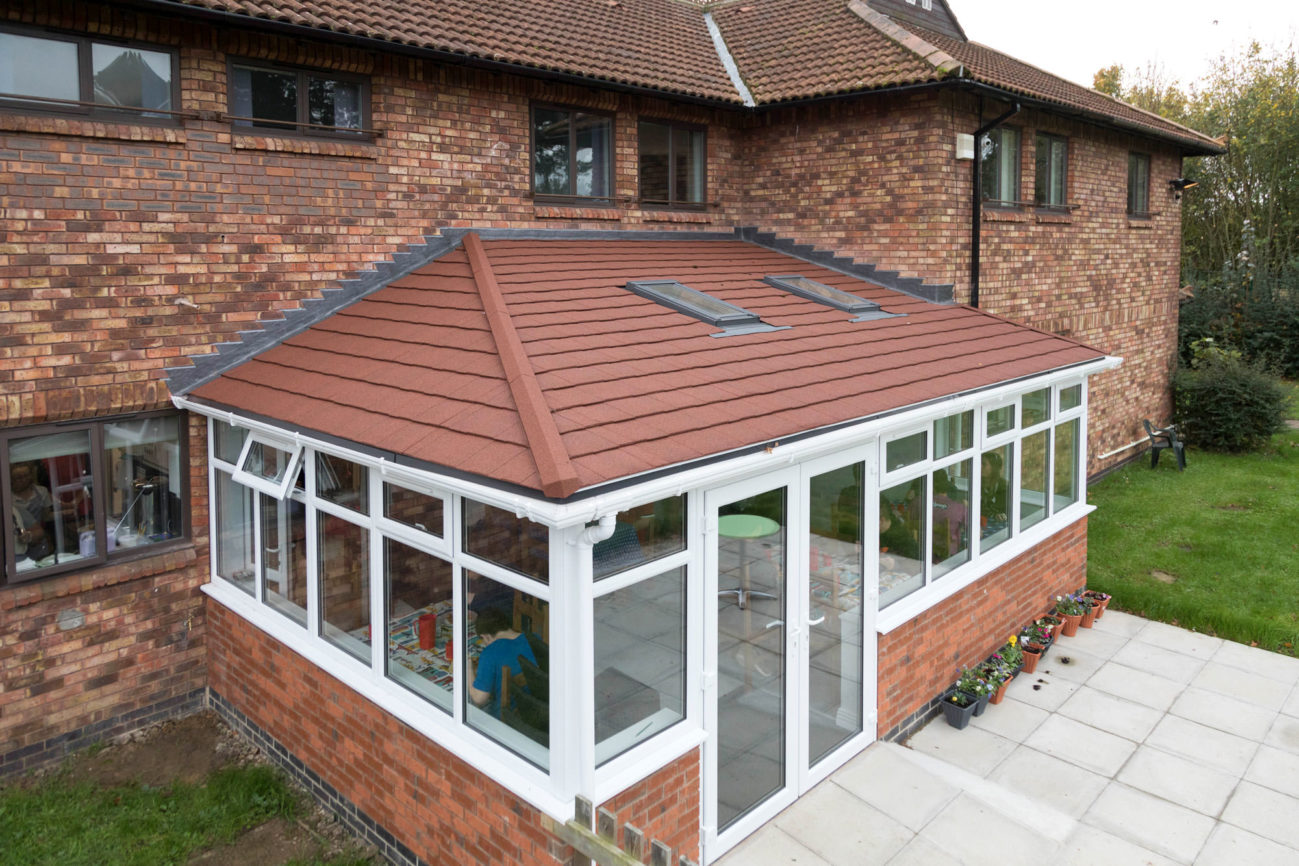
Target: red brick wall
(432, 801)
(921, 659)
(138, 655)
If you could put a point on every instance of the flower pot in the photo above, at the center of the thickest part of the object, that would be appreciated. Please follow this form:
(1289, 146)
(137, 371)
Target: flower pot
(1056, 625)
(1000, 692)
(1032, 653)
(1090, 616)
(1101, 601)
(981, 704)
(1070, 624)
(957, 716)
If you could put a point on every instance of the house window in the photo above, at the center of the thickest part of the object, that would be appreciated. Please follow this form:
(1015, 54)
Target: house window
(68, 73)
(419, 620)
(572, 153)
(1000, 169)
(516, 543)
(1139, 184)
(673, 164)
(81, 494)
(640, 535)
(1049, 185)
(297, 100)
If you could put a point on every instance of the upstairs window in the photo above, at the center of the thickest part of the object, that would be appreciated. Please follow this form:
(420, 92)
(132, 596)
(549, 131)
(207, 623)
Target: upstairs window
(1052, 157)
(572, 153)
(264, 96)
(673, 164)
(1000, 157)
(1139, 184)
(68, 73)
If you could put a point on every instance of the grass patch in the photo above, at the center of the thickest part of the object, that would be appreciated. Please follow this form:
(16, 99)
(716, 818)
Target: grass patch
(71, 823)
(1212, 549)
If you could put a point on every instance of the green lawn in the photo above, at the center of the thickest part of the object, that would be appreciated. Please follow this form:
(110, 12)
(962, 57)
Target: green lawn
(1214, 548)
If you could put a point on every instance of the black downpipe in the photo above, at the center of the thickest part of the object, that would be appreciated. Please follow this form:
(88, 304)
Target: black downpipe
(976, 221)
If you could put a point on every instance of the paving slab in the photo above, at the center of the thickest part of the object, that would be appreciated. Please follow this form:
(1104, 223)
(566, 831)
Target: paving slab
(1041, 691)
(1265, 813)
(1081, 745)
(883, 778)
(841, 828)
(1096, 641)
(1070, 663)
(1150, 822)
(1291, 707)
(1012, 719)
(1260, 661)
(1210, 746)
(921, 852)
(1116, 622)
(982, 836)
(1175, 666)
(1179, 780)
(1136, 685)
(1275, 769)
(772, 846)
(1111, 714)
(1049, 780)
(1232, 846)
(1224, 713)
(1091, 846)
(972, 749)
(1284, 734)
(1252, 688)
(1181, 640)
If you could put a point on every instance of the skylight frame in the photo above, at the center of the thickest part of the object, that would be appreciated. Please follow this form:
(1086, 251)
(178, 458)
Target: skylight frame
(828, 295)
(695, 303)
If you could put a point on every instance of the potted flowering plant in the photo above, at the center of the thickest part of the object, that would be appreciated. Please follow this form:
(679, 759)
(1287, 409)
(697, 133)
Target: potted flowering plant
(1072, 609)
(972, 682)
(1101, 599)
(958, 707)
(1033, 642)
(1001, 667)
(1052, 622)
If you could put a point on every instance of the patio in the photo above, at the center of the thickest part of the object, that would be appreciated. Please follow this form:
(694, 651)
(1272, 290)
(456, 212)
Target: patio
(1135, 742)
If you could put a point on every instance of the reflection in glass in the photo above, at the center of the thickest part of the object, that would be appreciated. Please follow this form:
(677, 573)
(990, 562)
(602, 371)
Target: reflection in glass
(1037, 407)
(1070, 398)
(144, 474)
(498, 536)
(751, 611)
(131, 77)
(343, 556)
(640, 662)
(902, 526)
(333, 103)
(228, 442)
(342, 482)
(269, 96)
(234, 527)
(951, 517)
(507, 654)
(52, 520)
(284, 557)
(642, 534)
(1001, 420)
(834, 710)
(905, 451)
(550, 152)
(593, 135)
(995, 484)
(1033, 478)
(420, 655)
(267, 462)
(953, 434)
(38, 67)
(1065, 464)
(655, 151)
(417, 510)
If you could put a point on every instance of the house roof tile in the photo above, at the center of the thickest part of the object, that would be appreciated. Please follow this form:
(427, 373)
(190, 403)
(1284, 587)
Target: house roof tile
(584, 406)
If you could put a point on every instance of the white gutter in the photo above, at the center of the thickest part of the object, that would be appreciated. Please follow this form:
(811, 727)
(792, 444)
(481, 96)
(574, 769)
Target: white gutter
(728, 62)
(561, 515)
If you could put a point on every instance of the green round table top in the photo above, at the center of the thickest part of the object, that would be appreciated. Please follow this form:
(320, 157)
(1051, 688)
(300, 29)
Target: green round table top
(746, 526)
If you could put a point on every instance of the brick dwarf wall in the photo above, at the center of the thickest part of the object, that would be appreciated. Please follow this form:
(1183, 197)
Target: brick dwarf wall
(920, 660)
(90, 655)
(434, 805)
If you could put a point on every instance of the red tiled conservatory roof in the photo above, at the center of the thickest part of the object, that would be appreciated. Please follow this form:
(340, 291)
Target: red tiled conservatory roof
(527, 362)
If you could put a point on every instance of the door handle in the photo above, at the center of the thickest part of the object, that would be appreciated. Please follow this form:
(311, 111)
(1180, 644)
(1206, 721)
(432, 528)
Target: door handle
(817, 621)
(775, 623)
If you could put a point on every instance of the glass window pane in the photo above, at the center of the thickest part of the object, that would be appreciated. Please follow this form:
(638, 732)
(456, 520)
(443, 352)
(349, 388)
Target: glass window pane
(1001, 420)
(550, 155)
(902, 525)
(228, 441)
(1070, 398)
(951, 517)
(995, 484)
(594, 140)
(143, 471)
(640, 662)
(905, 451)
(131, 76)
(1042, 170)
(1065, 465)
(51, 481)
(513, 542)
(333, 103)
(641, 534)
(284, 557)
(1057, 172)
(267, 462)
(234, 528)
(1033, 478)
(835, 601)
(654, 142)
(1037, 407)
(343, 558)
(696, 171)
(342, 482)
(507, 694)
(266, 95)
(420, 634)
(418, 510)
(38, 67)
(953, 434)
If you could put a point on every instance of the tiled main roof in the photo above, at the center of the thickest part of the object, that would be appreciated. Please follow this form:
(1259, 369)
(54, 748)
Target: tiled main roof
(784, 50)
(526, 362)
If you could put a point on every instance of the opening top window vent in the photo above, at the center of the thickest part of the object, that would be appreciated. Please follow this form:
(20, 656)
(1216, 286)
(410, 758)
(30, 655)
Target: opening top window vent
(731, 319)
(797, 284)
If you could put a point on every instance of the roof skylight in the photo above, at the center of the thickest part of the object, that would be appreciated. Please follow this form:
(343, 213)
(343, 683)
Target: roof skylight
(797, 284)
(714, 311)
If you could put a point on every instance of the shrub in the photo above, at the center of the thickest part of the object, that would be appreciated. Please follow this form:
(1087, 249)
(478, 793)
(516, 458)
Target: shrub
(1257, 313)
(1224, 403)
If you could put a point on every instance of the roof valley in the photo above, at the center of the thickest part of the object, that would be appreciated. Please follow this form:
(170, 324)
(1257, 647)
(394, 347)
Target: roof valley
(558, 476)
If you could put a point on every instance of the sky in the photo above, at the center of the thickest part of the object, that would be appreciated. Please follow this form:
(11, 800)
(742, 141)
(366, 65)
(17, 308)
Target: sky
(1074, 40)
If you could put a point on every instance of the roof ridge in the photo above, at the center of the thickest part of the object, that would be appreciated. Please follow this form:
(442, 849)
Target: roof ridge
(558, 477)
(1222, 139)
(930, 53)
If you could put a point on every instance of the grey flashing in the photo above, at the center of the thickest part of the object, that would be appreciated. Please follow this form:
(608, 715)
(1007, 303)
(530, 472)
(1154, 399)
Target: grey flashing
(728, 61)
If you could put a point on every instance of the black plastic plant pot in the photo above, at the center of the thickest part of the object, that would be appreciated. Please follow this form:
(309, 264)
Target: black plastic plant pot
(958, 716)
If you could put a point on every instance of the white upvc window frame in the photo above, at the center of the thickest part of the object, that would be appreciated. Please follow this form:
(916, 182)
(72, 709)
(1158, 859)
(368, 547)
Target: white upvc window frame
(277, 489)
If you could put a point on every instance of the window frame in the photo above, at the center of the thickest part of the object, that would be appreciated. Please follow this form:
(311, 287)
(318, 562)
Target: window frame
(1139, 195)
(9, 575)
(1045, 201)
(571, 197)
(671, 202)
(275, 489)
(84, 107)
(993, 163)
(302, 126)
